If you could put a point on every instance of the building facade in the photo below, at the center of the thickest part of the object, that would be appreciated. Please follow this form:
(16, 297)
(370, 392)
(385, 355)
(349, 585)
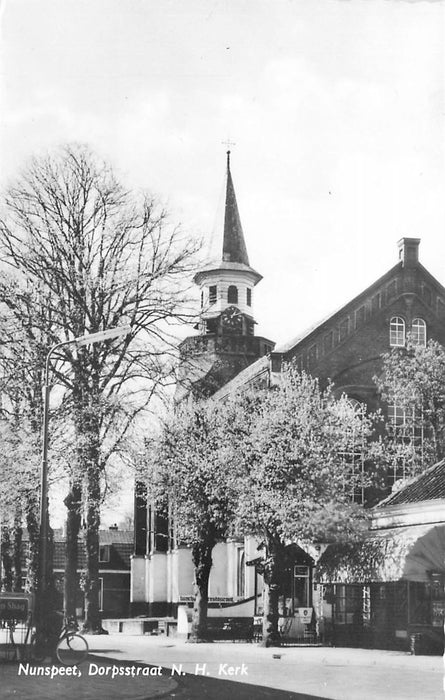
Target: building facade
(388, 591)
(115, 550)
(224, 356)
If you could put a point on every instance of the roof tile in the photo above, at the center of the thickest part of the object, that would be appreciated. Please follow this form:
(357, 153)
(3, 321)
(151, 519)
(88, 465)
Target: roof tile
(426, 487)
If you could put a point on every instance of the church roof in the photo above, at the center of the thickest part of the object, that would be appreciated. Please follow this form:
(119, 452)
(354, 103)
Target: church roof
(341, 310)
(430, 485)
(231, 250)
(355, 302)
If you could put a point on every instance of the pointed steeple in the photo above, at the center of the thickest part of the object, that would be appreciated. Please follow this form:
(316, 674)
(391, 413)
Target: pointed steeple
(227, 249)
(234, 246)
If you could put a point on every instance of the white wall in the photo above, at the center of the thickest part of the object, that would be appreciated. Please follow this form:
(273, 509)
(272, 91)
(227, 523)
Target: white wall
(137, 579)
(218, 583)
(223, 279)
(157, 577)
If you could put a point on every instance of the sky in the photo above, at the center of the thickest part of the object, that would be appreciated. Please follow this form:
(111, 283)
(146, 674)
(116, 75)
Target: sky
(336, 107)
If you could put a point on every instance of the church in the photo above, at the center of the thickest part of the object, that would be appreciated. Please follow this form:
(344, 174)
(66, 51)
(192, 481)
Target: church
(379, 606)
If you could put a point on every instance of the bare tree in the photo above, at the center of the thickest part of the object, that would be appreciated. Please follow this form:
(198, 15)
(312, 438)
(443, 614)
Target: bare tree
(21, 357)
(103, 258)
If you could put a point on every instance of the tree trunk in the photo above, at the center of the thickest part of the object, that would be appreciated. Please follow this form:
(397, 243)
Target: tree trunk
(88, 413)
(6, 582)
(202, 560)
(93, 621)
(17, 551)
(73, 520)
(273, 570)
(32, 524)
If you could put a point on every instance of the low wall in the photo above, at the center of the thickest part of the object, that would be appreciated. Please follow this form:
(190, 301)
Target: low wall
(140, 626)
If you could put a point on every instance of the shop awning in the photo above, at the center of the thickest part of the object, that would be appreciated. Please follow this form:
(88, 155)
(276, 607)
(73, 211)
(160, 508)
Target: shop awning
(405, 553)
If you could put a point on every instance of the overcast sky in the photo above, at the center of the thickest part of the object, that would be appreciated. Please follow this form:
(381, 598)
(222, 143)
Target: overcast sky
(336, 107)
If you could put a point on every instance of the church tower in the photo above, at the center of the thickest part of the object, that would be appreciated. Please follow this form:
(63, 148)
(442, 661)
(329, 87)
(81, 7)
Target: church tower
(226, 343)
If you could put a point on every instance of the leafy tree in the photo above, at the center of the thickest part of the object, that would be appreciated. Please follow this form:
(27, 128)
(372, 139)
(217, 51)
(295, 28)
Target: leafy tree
(274, 464)
(100, 257)
(292, 447)
(188, 478)
(413, 384)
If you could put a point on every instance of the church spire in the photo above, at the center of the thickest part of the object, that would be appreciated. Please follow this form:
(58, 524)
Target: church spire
(234, 246)
(227, 253)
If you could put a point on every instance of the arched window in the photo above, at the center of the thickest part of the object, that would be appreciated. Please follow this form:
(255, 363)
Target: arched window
(397, 332)
(232, 294)
(418, 332)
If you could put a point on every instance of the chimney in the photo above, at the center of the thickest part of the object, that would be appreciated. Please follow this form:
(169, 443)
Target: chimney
(409, 251)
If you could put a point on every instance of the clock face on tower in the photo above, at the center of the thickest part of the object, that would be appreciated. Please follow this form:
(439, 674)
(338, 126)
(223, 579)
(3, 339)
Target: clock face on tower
(232, 320)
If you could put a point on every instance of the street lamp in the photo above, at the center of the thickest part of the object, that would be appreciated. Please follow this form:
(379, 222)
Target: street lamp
(87, 339)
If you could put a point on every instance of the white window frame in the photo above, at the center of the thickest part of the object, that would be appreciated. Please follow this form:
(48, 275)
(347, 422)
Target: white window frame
(407, 426)
(418, 332)
(397, 332)
(355, 455)
(101, 593)
(106, 550)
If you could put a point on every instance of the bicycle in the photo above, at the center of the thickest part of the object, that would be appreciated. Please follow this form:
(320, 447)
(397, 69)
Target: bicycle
(71, 649)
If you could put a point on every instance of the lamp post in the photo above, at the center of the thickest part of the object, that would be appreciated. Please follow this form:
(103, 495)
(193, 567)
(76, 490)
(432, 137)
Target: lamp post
(87, 339)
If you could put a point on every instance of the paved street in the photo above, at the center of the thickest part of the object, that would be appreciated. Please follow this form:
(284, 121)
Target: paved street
(340, 674)
(226, 670)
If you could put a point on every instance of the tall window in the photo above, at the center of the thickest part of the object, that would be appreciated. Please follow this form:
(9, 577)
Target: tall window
(249, 296)
(406, 427)
(232, 294)
(397, 332)
(418, 332)
(353, 454)
(212, 294)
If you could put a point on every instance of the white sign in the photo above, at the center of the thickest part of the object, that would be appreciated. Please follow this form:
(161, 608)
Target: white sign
(212, 599)
(305, 615)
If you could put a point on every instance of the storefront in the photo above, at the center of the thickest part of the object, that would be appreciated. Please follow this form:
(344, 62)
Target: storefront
(387, 592)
